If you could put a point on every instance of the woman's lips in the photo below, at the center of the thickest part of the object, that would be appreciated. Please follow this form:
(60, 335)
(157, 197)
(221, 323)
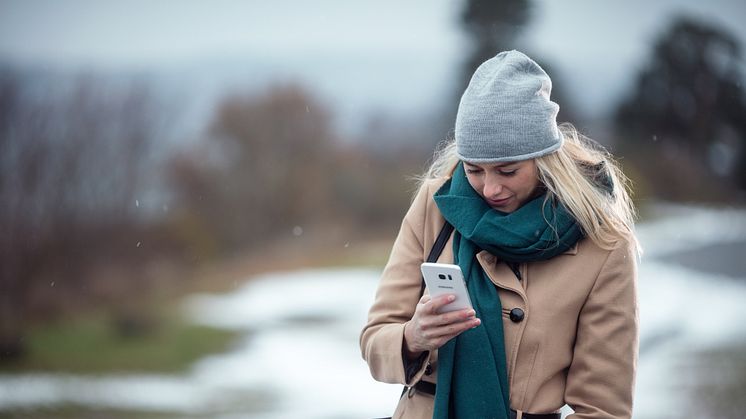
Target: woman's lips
(498, 202)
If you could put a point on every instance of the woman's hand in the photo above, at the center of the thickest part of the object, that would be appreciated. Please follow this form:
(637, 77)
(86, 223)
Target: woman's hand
(429, 330)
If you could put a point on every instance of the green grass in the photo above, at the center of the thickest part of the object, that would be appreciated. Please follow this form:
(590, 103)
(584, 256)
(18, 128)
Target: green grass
(77, 412)
(245, 404)
(93, 343)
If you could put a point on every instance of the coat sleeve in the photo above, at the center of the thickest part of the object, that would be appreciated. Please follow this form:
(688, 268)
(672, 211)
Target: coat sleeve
(396, 299)
(600, 380)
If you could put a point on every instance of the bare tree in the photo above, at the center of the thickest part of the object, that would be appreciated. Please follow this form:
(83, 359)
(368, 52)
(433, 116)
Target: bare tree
(266, 167)
(71, 163)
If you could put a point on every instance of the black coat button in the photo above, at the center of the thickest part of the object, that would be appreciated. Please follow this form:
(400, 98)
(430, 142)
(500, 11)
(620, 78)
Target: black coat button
(516, 315)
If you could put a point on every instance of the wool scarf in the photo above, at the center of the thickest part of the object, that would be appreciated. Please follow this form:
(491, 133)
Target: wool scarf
(472, 370)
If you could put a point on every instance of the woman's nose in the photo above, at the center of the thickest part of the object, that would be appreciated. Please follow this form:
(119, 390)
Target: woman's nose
(492, 187)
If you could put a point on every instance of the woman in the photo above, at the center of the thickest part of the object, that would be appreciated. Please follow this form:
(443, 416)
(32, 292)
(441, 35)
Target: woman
(544, 235)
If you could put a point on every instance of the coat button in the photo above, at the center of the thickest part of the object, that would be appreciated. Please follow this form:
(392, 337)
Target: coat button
(428, 369)
(516, 315)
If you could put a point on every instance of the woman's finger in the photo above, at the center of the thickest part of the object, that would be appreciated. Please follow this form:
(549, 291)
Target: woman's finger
(453, 329)
(440, 301)
(435, 320)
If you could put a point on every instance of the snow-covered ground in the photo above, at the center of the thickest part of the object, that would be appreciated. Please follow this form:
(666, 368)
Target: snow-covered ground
(300, 355)
(684, 310)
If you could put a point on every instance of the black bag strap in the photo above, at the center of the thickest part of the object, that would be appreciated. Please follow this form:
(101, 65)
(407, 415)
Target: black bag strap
(435, 251)
(440, 243)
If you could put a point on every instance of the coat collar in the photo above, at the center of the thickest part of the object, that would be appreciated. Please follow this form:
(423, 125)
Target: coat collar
(572, 250)
(502, 276)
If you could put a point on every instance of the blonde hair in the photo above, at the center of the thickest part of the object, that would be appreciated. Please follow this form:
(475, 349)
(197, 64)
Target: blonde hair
(582, 176)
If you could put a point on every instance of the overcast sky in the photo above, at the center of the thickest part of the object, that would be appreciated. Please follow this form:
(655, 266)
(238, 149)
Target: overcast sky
(349, 50)
(148, 32)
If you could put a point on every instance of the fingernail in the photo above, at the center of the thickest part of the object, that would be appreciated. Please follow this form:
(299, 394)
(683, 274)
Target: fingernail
(451, 297)
(471, 313)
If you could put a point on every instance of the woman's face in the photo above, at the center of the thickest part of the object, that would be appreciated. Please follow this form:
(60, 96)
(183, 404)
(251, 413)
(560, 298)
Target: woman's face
(504, 186)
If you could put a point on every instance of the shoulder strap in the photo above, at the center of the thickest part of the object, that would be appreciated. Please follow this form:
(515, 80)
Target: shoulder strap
(437, 249)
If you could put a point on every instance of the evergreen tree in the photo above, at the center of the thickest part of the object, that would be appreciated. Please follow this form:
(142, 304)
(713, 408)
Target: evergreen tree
(689, 102)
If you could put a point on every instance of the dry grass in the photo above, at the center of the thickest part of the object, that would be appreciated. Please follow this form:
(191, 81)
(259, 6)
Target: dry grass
(306, 251)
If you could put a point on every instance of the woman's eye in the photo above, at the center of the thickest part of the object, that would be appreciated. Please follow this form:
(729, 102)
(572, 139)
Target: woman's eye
(508, 172)
(472, 171)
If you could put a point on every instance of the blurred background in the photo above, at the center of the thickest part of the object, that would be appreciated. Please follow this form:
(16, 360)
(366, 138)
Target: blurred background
(196, 198)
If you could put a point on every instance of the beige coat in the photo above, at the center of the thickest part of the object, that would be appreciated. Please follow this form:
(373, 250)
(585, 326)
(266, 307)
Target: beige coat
(576, 345)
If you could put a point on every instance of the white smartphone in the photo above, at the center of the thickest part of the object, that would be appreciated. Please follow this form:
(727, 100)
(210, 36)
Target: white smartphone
(444, 278)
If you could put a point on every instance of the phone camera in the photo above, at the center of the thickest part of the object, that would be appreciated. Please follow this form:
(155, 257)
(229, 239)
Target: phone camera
(441, 276)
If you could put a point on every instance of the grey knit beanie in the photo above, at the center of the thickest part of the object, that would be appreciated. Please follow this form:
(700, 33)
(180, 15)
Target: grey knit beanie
(505, 113)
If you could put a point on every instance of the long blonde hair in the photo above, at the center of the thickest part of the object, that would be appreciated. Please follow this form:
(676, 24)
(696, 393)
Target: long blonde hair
(582, 176)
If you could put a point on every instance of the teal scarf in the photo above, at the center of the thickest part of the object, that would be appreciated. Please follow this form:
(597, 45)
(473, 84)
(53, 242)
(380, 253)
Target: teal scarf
(472, 371)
